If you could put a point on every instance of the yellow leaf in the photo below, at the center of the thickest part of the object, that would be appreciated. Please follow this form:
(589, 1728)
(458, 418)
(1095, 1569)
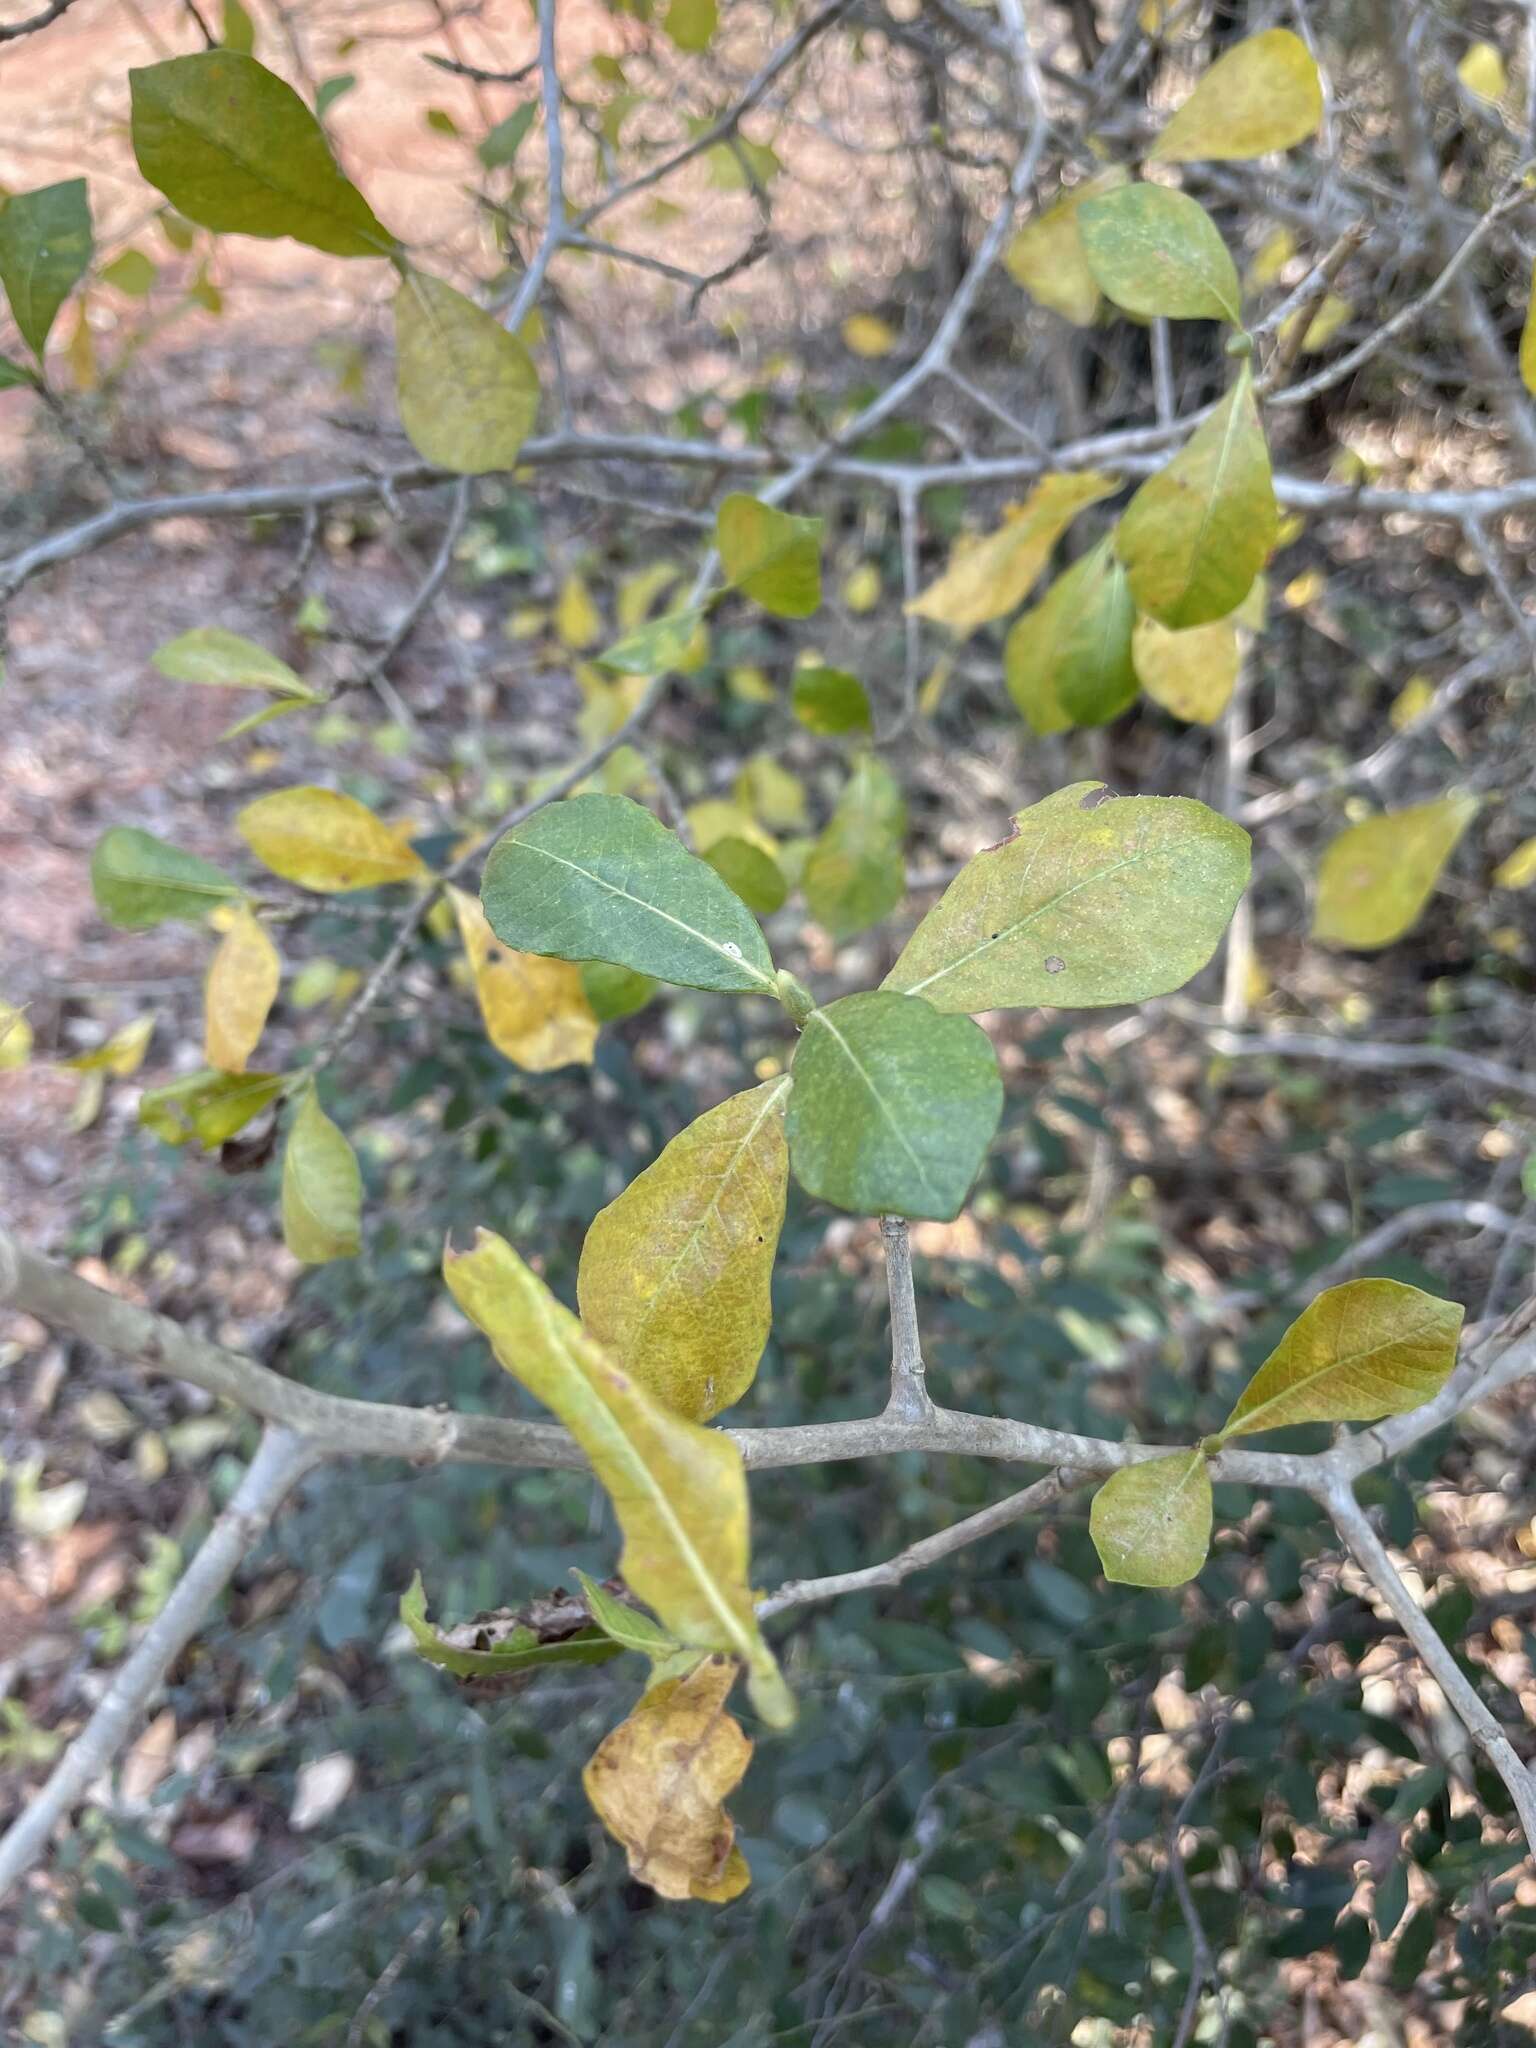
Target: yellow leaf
(1528, 340)
(242, 986)
(1263, 94)
(322, 1189)
(325, 841)
(637, 593)
(1516, 871)
(1269, 259)
(866, 334)
(535, 1009)
(1411, 701)
(1322, 327)
(15, 1036)
(1304, 589)
(1045, 258)
(675, 1274)
(772, 793)
(578, 621)
(657, 1783)
(122, 1054)
(1376, 877)
(993, 575)
(80, 354)
(862, 587)
(1483, 72)
(723, 817)
(1191, 674)
(679, 1491)
(467, 389)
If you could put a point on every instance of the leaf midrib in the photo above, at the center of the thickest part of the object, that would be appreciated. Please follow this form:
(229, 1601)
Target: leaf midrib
(1346, 1362)
(821, 1017)
(737, 959)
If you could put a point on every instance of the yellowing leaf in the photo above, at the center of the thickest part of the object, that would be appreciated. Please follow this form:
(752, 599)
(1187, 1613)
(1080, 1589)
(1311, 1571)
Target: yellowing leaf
(228, 661)
(322, 1188)
(1516, 871)
(1269, 259)
(1483, 72)
(773, 793)
(207, 1106)
(15, 1036)
(637, 593)
(1197, 533)
(468, 390)
(862, 588)
(1067, 660)
(679, 1491)
(1411, 702)
(1262, 94)
(992, 575)
(1154, 251)
(866, 334)
(1358, 1352)
(122, 1054)
(1151, 1523)
(578, 622)
(1375, 878)
(1193, 673)
(242, 987)
(325, 841)
(691, 23)
(1322, 327)
(1528, 340)
(675, 1273)
(1045, 258)
(855, 874)
(535, 1009)
(772, 557)
(658, 1780)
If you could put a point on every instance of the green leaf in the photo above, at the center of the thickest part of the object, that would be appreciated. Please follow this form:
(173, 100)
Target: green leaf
(45, 248)
(499, 148)
(615, 992)
(467, 388)
(1156, 252)
(322, 1188)
(239, 29)
(1198, 532)
(235, 149)
(1528, 339)
(691, 23)
(600, 878)
(139, 880)
(1151, 1523)
(986, 578)
(893, 1106)
(330, 90)
(1067, 661)
(1090, 900)
(772, 557)
(209, 1106)
(1375, 878)
(855, 874)
(656, 647)
(1366, 1349)
(1045, 258)
(751, 873)
(1261, 94)
(12, 374)
(131, 273)
(830, 701)
(518, 1651)
(625, 1625)
(679, 1491)
(228, 661)
(675, 1274)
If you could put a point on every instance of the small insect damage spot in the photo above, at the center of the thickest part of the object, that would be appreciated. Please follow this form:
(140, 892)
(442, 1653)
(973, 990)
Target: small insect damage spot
(1096, 797)
(1055, 964)
(1007, 840)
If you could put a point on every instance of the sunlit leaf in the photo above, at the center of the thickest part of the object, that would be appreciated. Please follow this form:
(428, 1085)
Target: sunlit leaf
(1193, 673)
(1154, 251)
(893, 1106)
(1198, 532)
(675, 1273)
(241, 989)
(1067, 660)
(45, 250)
(679, 1491)
(1151, 1522)
(657, 1783)
(989, 577)
(1517, 870)
(856, 874)
(1045, 258)
(322, 1188)
(830, 701)
(1088, 901)
(1375, 878)
(772, 557)
(1484, 73)
(467, 388)
(235, 149)
(325, 841)
(535, 1009)
(139, 880)
(1358, 1352)
(601, 878)
(1262, 94)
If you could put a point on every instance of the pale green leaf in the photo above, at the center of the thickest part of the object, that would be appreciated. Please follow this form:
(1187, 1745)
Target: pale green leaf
(139, 880)
(615, 992)
(228, 661)
(1067, 661)
(1375, 878)
(628, 1627)
(1260, 95)
(657, 647)
(1197, 533)
(753, 874)
(855, 874)
(893, 1106)
(830, 701)
(1193, 673)
(1151, 1522)
(1156, 252)
(235, 149)
(675, 1273)
(1358, 1352)
(691, 23)
(986, 578)
(518, 1650)
(467, 387)
(45, 249)
(322, 1188)
(679, 1491)
(1045, 258)
(131, 273)
(1090, 900)
(601, 878)
(772, 557)
(209, 1107)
